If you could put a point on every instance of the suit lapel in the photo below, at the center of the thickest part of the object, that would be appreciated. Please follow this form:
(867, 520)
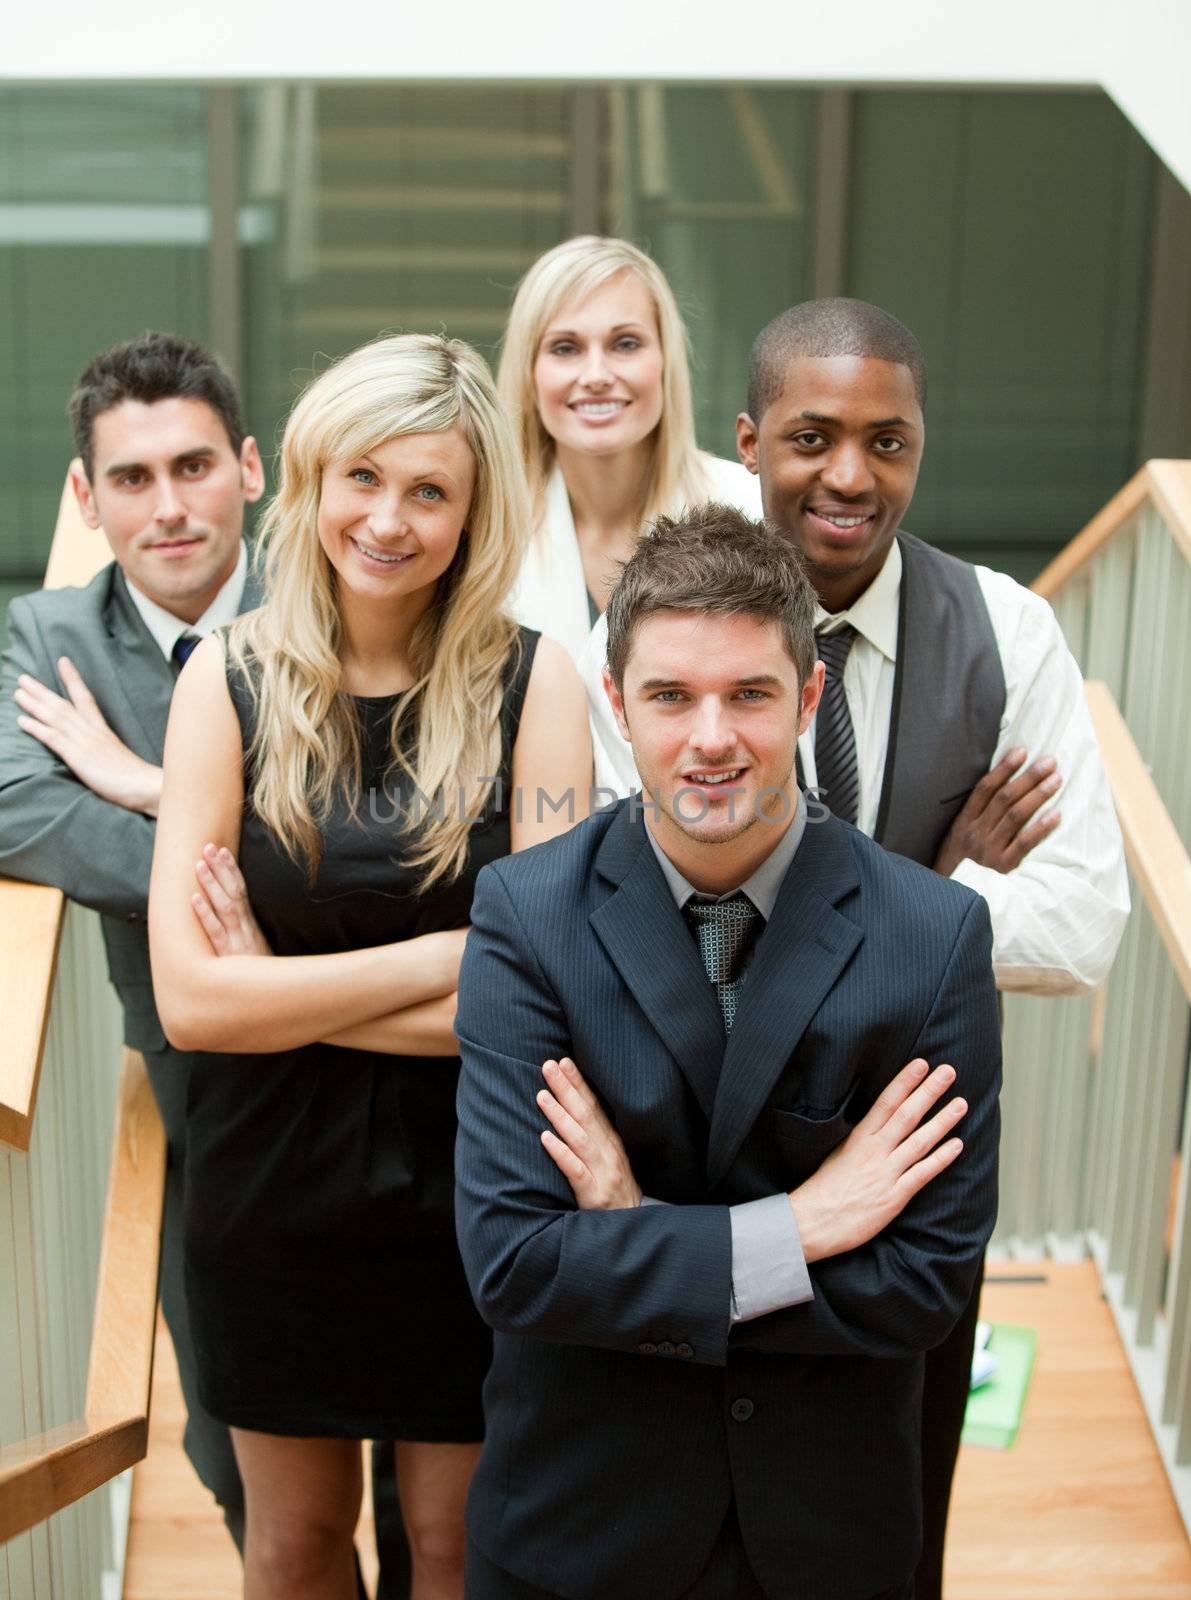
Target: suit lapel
(141, 675)
(254, 591)
(651, 947)
(799, 956)
(888, 787)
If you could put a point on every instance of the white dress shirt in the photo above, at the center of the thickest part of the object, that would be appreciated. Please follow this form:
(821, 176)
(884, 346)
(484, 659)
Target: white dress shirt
(1057, 918)
(167, 629)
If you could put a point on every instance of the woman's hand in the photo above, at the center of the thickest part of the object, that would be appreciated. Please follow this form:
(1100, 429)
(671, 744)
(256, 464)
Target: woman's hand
(223, 908)
(584, 1145)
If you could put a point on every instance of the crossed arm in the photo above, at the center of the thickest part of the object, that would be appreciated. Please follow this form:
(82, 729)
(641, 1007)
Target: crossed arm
(218, 985)
(611, 1277)
(1053, 876)
(69, 789)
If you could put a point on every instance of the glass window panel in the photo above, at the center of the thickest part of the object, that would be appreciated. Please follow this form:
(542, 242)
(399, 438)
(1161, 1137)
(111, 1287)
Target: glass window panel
(1009, 230)
(370, 209)
(103, 232)
(715, 183)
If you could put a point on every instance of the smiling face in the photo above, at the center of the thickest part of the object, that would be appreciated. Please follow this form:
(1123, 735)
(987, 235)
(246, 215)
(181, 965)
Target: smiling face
(713, 707)
(390, 520)
(838, 452)
(598, 370)
(169, 492)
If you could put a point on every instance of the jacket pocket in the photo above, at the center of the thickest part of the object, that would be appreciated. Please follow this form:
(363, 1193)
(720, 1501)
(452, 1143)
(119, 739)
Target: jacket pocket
(807, 1139)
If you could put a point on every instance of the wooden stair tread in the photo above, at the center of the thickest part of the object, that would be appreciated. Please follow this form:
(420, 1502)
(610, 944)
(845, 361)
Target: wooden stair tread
(1079, 1509)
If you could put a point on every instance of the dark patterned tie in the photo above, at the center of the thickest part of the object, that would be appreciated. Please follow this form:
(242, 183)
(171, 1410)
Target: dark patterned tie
(723, 929)
(836, 772)
(184, 647)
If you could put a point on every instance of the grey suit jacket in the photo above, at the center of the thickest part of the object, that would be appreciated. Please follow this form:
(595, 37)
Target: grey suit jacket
(53, 829)
(623, 1412)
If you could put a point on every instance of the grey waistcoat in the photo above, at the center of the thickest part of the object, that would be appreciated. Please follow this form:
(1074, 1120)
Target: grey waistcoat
(948, 701)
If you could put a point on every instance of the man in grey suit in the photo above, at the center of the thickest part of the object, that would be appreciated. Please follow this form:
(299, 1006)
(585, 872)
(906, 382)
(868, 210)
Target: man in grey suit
(166, 472)
(717, 1394)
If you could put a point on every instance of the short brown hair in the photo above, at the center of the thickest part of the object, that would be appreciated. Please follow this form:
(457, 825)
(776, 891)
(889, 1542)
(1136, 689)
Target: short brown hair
(152, 367)
(714, 560)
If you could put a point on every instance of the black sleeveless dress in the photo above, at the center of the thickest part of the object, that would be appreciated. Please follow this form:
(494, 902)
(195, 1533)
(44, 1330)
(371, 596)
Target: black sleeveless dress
(324, 1285)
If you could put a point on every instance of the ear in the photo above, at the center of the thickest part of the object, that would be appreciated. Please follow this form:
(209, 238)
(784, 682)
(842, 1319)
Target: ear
(616, 701)
(812, 693)
(746, 441)
(81, 485)
(252, 471)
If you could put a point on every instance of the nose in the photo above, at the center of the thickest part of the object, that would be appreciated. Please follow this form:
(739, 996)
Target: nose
(386, 518)
(593, 373)
(168, 508)
(847, 470)
(712, 733)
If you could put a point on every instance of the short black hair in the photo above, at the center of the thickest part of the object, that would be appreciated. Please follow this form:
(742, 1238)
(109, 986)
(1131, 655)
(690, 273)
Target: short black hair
(713, 560)
(153, 366)
(824, 328)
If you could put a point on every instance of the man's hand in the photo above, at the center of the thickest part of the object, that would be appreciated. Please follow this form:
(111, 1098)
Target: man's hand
(74, 729)
(997, 826)
(584, 1145)
(223, 908)
(883, 1163)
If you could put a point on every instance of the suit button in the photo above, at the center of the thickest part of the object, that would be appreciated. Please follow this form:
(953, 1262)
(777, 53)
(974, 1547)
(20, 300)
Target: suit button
(665, 1348)
(742, 1409)
(647, 1349)
(684, 1350)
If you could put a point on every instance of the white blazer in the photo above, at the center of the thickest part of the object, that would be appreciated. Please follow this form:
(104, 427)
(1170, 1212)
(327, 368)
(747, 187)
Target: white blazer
(551, 596)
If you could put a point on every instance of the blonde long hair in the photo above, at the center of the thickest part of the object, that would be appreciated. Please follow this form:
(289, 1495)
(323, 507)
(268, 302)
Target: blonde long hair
(572, 271)
(306, 749)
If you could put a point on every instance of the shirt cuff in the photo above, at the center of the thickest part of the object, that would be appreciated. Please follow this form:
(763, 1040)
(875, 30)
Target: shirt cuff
(769, 1270)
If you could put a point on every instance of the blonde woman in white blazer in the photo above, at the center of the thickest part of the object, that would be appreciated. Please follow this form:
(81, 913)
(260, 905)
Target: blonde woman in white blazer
(595, 378)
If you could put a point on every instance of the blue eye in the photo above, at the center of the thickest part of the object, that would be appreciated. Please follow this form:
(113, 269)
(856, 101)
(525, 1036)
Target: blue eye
(362, 475)
(431, 492)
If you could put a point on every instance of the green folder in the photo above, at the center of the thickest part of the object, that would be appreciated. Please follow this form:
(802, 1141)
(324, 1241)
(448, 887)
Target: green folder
(994, 1410)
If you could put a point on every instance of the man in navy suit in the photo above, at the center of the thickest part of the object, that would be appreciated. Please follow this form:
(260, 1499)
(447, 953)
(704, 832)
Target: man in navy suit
(714, 1393)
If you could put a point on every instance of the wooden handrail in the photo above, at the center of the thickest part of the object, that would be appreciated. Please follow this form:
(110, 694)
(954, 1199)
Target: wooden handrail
(30, 932)
(1156, 853)
(1166, 483)
(42, 1474)
(31, 914)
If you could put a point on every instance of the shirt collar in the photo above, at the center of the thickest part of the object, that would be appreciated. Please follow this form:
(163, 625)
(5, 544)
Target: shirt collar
(874, 614)
(167, 629)
(762, 887)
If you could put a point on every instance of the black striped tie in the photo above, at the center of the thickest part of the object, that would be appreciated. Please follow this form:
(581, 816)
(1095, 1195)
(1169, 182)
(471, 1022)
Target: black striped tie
(722, 929)
(836, 772)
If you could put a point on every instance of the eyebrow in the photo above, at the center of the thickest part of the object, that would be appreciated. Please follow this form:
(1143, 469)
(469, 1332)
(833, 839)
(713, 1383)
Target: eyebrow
(755, 680)
(200, 452)
(885, 422)
(439, 473)
(619, 327)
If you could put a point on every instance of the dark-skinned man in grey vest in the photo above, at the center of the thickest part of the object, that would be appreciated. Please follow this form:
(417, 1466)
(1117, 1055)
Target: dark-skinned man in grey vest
(952, 729)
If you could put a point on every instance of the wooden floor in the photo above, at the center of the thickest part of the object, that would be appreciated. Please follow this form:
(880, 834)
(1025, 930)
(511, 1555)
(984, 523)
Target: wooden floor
(1079, 1509)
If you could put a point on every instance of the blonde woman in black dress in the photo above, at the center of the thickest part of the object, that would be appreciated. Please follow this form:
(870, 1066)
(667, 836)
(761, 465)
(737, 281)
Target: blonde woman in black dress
(363, 744)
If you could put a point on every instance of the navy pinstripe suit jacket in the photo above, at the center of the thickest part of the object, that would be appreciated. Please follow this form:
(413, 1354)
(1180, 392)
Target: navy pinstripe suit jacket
(615, 1440)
